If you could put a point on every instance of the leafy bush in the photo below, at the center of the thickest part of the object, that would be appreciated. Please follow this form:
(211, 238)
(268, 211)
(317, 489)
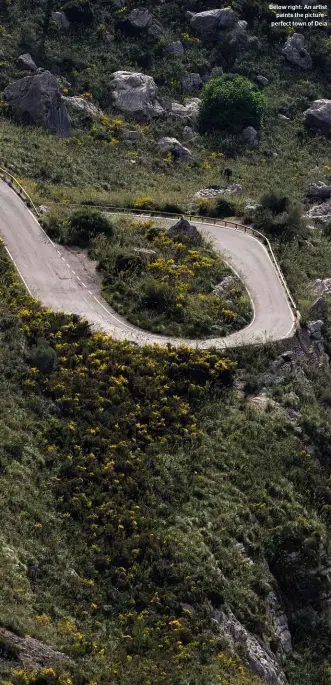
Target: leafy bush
(276, 202)
(280, 217)
(53, 226)
(230, 105)
(144, 202)
(218, 209)
(159, 296)
(129, 263)
(86, 224)
(43, 357)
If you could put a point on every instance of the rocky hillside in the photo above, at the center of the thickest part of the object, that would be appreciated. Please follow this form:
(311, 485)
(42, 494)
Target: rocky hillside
(165, 514)
(123, 83)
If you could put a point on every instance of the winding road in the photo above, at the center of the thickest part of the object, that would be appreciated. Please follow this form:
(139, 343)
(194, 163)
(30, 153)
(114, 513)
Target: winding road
(59, 278)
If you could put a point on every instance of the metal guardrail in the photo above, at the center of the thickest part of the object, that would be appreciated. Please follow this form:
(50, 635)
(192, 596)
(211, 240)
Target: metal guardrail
(19, 189)
(16, 185)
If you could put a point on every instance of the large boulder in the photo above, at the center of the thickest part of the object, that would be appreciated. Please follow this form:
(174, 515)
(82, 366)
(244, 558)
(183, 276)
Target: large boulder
(261, 80)
(192, 83)
(222, 289)
(258, 656)
(318, 191)
(318, 116)
(188, 112)
(323, 286)
(208, 21)
(249, 137)
(184, 230)
(27, 62)
(175, 49)
(314, 329)
(178, 151)
(134, 94)
(319, 309)
(61, 21)
(37, 99)
(140, 18)
(295, 52)
(82, 105)
(321, 213)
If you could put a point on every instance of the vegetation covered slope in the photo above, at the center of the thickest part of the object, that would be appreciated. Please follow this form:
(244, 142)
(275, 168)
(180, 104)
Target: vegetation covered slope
(165, 513)
(141, 495)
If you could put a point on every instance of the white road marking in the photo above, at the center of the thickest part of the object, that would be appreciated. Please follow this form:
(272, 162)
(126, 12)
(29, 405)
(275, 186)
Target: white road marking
(272, 314)
(18, 271)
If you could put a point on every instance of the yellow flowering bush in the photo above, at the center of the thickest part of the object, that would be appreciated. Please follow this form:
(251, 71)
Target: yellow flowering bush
(117, 404)
(166, 285)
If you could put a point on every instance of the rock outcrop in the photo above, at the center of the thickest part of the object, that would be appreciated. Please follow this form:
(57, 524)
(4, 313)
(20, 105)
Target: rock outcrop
(78, 104)
(192, 83)
(140, 18)
(61, 21)
(318, 191)
(323, 286)
(188, 112)
(183, 229)
(210, 20)
(318, 116)
(141, 21)
(135, 94)
(295, 52)
(258, 657)
(321, 213)
(37, 100)
(249, 137)
(32, 653)
(233, 189)
(178, 151)
(27, 62)
(261, 80)
(319, 309)
(175, 49)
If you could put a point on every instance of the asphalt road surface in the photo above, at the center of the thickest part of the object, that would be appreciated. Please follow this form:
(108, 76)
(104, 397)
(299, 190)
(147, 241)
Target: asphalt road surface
(60, 279)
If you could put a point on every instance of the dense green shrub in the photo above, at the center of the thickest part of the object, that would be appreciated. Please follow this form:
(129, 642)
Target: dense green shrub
(230, 105)
(85, 224)
(276, 202)
(159, 296)
(280, 217)
(43, 357)
(129, 263)
(53, 226)
(218, 209)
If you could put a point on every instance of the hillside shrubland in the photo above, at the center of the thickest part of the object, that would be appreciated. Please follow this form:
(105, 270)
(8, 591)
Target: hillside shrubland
(165, 513)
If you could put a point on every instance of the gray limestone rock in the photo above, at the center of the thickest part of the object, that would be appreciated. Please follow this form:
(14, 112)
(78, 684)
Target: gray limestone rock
(37, 99)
